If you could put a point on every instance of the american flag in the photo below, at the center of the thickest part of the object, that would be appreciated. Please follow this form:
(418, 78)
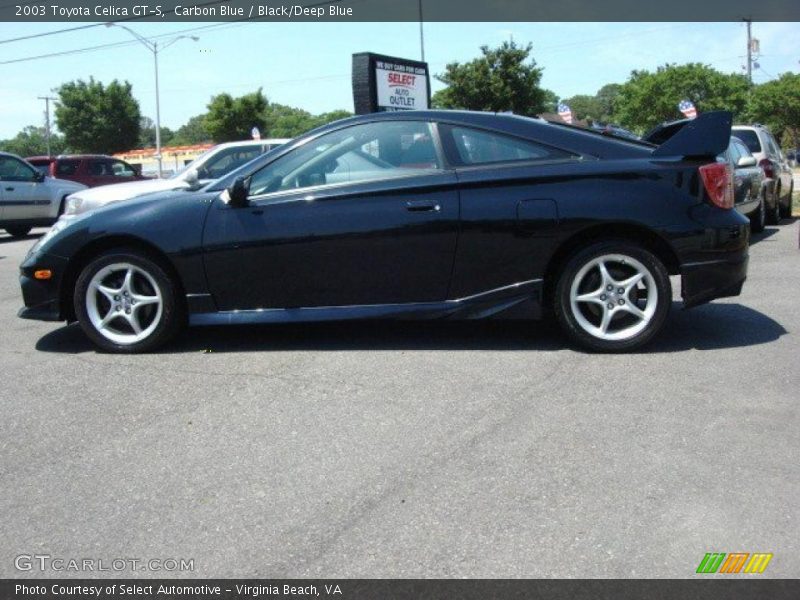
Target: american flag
(687, 108)
(564, 112)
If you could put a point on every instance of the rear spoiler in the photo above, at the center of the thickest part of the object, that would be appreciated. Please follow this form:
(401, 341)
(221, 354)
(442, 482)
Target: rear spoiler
(707, 135)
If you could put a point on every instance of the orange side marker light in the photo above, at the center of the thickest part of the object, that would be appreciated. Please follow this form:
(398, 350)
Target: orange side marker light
(43, 274)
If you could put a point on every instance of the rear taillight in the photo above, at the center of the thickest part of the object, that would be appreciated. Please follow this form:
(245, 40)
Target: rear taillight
(718, 181)
(769, 168)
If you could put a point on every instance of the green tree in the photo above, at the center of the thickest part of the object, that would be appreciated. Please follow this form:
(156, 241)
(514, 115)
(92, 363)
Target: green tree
(193, 132)
(288, 122)
(607, 99)
(584, 106)
(501, 79)
(550, 103)
(648, 99)
(777, 105)
(32, 141)
(147, 134)
(98, 118)
(231, 119)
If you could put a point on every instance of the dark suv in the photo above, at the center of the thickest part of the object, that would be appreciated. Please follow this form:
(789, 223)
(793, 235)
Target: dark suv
(89, 169)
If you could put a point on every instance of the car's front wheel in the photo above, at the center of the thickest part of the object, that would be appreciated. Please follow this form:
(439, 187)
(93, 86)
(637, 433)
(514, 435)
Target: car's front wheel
(612, 296)
(126, 302)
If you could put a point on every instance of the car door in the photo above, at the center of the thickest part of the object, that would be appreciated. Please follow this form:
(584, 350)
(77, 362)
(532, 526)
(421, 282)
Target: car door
(509, 189)
(362, 215)
(23, 196)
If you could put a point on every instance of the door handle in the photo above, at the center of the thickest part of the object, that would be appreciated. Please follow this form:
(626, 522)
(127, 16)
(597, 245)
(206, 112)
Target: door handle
(422, 206)
(9, 189)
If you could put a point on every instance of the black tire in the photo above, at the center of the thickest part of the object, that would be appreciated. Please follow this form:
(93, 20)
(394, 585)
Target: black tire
(18, 232)
(159, 321)
(774, 211)
(786, 211)
(758, 218)
(623, 259)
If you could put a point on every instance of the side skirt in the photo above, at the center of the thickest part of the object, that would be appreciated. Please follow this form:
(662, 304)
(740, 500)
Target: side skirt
(519, 300)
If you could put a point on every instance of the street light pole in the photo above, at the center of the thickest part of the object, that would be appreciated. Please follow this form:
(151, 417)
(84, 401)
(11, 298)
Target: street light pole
(154, 48)
(158, 110)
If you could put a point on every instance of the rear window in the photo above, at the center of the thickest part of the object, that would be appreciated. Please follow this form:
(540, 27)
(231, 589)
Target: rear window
(750, 139)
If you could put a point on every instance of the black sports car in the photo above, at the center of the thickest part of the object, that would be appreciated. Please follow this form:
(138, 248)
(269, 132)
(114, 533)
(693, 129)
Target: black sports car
(419, 214)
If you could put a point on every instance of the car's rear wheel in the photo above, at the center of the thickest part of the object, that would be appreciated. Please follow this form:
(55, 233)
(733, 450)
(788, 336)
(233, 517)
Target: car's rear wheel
(612, 296)
(126, 302)
(18, 232)
(758, 218)
(774, 211)
(786, 211)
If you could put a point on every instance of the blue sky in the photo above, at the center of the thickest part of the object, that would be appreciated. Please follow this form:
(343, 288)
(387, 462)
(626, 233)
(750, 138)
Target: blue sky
(308, 64)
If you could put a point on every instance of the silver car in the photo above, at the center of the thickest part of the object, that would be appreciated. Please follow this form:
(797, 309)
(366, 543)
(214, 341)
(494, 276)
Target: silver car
(212, 164)
(28, 198)
(767, 152)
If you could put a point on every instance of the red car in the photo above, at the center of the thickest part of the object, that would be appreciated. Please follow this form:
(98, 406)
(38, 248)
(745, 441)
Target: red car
(89, 169)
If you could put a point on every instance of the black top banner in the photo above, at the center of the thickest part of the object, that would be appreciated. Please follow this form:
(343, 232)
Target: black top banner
(398, 10)
(398, 589)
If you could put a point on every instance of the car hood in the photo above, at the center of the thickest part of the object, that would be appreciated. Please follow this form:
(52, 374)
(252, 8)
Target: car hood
(122, 191)
(64, 184)
(98, 197)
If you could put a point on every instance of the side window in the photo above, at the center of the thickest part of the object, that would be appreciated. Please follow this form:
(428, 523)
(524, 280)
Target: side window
(381, 150)
(13, 169)
(477, 147)
(772, 147)
(121, 169)
(98, 168)
(65, 168)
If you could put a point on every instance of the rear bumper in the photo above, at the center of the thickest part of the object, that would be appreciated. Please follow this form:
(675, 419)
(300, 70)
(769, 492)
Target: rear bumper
(704, 281)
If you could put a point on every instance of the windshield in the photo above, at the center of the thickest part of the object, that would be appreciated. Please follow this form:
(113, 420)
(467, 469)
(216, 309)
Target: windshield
(216, 162)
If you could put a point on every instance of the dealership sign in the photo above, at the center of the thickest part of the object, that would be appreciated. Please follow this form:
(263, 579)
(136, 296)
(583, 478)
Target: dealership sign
(387, 83)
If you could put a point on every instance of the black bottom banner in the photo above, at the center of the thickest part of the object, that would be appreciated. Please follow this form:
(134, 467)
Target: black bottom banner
(400, 589)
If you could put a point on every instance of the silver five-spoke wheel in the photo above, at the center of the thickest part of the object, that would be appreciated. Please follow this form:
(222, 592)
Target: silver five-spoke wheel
(613, 297)
(124, 303)
(127, 300)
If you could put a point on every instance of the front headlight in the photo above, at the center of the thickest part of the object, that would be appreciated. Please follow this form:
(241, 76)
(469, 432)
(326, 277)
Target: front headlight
(57, 227)
(73, 205)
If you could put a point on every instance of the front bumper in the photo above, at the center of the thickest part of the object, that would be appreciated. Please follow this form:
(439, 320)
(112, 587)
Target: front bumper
(41, 297)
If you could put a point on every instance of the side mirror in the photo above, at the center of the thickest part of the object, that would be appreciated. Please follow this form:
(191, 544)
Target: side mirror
(38, 176)
(192, 179)
(746, 161)
(238, 192)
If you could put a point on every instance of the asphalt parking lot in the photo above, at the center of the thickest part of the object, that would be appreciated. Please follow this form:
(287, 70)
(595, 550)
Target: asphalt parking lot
(410, 449)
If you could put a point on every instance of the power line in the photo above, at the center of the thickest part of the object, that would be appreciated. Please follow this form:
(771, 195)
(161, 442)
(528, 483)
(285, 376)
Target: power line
(46, 33)
(80, 27)
(115, 44)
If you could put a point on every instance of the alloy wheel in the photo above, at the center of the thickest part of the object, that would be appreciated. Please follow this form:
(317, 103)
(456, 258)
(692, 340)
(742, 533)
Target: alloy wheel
(124, 303)
(613, 297)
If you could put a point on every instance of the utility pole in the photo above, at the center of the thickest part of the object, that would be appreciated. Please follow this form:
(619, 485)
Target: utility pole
(749, 51)
(47, 120)
(421, 34)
